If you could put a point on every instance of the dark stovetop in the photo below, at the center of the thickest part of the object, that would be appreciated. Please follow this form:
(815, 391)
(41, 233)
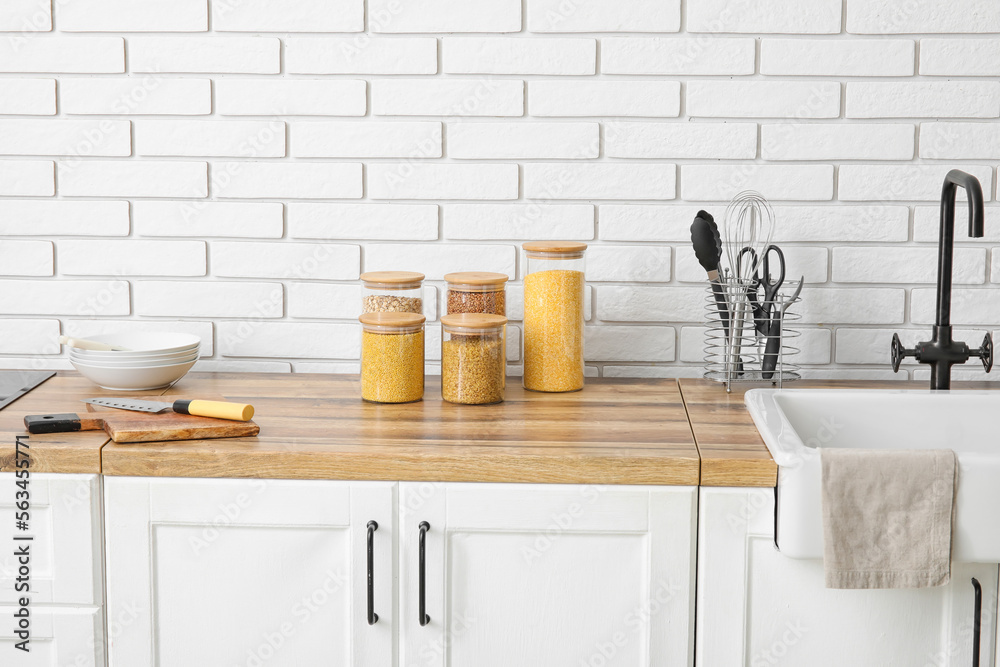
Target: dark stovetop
(16, 383)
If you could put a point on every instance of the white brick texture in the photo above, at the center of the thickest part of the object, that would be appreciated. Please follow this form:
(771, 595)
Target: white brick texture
(210, 138)
(604, 16)
(677, 55)
(29, 97)
(915, 99)
(499, 55)
(451, 97)
(361, 139)
(361, 55)
(289, 16)
(291, 97)
(235, 55)
(230, 168)
(65, 137)
(136, 96)
(523, 140)
(845, 57)
(131, 258)
(26, 15)
(960, 57)
(777, 16)
(604, 98)
(128, 16)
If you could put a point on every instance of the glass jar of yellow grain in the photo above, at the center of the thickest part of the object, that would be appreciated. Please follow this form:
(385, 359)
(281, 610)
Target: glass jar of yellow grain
(472, 358)
(392, 357)
(553, 316)
(477, 292)
(392, 292)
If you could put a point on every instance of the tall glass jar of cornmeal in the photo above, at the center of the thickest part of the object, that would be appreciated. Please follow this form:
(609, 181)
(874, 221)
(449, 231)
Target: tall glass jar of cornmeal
(392, 357)
(553, 315)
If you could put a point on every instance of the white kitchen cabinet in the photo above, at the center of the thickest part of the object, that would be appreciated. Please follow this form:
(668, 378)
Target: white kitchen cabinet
(757, 607)
(248, 572)
(521, 574)
(65, 570)
(65, 522)
(60, 637)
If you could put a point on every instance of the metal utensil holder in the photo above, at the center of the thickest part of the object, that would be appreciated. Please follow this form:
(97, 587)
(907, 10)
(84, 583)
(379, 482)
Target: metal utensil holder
(734, 350)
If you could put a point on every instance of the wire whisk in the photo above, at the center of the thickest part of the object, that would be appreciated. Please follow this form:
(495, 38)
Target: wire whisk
(749, 223)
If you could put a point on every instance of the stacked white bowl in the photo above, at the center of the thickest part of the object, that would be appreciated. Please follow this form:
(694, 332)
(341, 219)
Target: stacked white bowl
(146, 360)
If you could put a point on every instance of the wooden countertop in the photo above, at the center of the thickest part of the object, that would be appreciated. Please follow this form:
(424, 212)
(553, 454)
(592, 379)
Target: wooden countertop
(55, 452)
(732, 452)
(317, 427)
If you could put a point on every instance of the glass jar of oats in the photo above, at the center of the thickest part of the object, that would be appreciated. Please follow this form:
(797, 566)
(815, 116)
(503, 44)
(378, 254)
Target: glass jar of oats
(392, 292)
(477, 292)
(392, 357)
(553, 315)
(473, 362)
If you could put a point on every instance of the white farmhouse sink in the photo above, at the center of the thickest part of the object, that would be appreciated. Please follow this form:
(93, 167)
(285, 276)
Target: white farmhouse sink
(795, 423)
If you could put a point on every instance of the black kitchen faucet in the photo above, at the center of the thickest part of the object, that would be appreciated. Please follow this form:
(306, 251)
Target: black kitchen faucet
(941, 352)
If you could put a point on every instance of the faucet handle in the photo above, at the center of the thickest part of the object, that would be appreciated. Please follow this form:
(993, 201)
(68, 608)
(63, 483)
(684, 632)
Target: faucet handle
(899, 352)
(985, 352)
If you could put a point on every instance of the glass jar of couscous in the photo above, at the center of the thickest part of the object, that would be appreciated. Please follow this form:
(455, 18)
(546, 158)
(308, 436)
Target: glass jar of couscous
(392, 292)
(473, 359)
(477, 292)
(392, 357)
(553, 315)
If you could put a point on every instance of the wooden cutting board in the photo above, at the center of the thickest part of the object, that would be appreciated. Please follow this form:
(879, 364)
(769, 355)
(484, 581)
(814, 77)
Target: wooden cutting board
(129, 426)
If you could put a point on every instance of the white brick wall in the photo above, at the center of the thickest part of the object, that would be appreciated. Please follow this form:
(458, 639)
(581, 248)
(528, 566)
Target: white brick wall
(229, 169)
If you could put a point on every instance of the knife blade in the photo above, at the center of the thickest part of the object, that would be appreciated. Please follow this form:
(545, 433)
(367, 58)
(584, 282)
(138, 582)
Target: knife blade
(217, 409)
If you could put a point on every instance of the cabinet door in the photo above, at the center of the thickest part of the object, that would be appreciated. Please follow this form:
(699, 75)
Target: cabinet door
(757, 607)
(65, 523)
(60, 637)
(248, 572)
(548, 575)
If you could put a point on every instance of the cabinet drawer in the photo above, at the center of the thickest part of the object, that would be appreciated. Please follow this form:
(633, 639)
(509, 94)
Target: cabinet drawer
(65, 521)
(59, 637)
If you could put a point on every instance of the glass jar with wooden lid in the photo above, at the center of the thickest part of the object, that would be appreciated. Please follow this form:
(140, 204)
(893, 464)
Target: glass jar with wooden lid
(473, 362)
(553, 315)
(392, 357)
(392, 292)
(477, 292)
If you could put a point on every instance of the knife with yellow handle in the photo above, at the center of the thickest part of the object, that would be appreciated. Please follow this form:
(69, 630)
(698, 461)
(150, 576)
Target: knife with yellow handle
(218, 409)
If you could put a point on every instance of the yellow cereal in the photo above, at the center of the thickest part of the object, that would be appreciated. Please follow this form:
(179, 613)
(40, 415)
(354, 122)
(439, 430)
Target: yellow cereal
(472, 369)
(392, 366)
(553, 330)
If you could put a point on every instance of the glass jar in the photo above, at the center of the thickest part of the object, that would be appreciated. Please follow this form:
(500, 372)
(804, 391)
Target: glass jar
(473, 362)
(392, 292)
(477, 292)
(392, 357)
(553, 316)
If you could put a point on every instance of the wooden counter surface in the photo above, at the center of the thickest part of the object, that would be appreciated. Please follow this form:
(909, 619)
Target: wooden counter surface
(732, 452)
(55, 452)
(317, 427)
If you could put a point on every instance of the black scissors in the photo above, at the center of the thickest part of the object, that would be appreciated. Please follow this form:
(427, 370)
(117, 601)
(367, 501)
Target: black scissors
(762, 311)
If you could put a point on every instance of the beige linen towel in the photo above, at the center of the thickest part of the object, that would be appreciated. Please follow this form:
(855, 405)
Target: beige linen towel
(887, 517)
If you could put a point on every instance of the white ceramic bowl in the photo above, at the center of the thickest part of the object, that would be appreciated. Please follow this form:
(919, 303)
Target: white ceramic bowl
(164, 358)
(143, 343)
(138, 363)
(133, 379)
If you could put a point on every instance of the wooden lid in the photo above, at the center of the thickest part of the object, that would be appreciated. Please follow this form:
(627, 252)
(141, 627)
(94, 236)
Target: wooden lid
(392, 277)
(554, 246)
(476, 278)
(474, 320)
(392, 319)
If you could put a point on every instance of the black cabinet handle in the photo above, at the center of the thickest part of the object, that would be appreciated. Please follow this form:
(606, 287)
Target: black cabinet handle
(424, 618)
(372, 616)
(978, 622)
